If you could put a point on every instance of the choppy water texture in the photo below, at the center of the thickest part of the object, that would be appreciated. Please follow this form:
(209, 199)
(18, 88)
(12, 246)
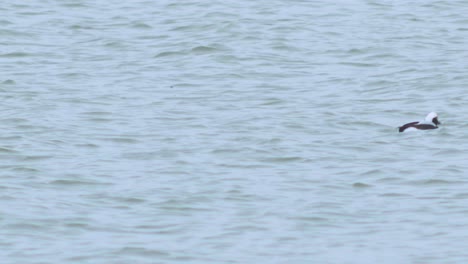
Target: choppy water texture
(232, 131)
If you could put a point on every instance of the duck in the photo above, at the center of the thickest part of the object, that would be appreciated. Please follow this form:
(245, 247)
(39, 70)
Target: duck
(430, 122)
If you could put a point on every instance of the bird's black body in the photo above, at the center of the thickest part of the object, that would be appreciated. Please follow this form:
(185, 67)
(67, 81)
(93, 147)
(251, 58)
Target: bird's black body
(431, 122)
(417, 126)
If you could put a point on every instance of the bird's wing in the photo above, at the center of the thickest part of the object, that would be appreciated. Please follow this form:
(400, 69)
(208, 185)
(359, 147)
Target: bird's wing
(405, 126)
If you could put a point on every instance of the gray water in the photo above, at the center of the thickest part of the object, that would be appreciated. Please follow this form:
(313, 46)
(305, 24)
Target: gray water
(232, 131)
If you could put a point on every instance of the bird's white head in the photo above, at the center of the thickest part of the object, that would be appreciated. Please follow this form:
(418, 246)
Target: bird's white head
(432, 118)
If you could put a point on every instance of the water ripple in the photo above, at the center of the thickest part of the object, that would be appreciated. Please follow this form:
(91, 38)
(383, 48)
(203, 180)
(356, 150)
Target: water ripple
(168, 131)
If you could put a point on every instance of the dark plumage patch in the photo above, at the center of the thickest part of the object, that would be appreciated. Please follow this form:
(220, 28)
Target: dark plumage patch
(418, 126)
(405, 126)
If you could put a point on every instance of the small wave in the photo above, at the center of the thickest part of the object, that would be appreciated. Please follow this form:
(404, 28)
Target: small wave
(461, 195)
(131, 200)
(74, 182)
(87, 145)
(7, 150)
(389, 179)
(394, 195)
(99, 113)
(4, 32)
(204, 49)
(75, 5)
(121, 140)
(283, 159)
(371, 172)
(142, 25)
(15, 55)
(360, 64)
(5, 22)
(361, 185)
(435, 182)
(272, 101)
(357, 51)
(25, 169)
(36, 157)
(140, 155)
(100, 120)
(24, 226)
(168, 54)
(312, 219)
(140, 251)
(450, 152)
(8, 82)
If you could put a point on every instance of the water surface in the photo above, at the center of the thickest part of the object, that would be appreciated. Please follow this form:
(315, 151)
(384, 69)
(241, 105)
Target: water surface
(232, 132)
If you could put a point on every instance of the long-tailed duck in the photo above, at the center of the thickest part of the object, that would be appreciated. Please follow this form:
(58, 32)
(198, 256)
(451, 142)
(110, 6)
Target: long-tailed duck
(430, 122)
